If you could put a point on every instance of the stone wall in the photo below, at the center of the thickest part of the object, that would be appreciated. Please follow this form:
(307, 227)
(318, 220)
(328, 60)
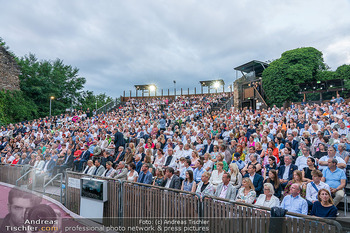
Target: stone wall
(9, 71)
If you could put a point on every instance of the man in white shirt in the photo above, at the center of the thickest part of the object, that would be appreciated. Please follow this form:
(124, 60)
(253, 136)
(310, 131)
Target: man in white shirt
(313, 187)
(187, 151)
(323, 162)
(301, 161)
(179, 151)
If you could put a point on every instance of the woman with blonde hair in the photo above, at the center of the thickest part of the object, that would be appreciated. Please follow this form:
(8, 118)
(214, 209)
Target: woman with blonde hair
(236, 176)
(159, 178)
(297, 179)
(246, 194)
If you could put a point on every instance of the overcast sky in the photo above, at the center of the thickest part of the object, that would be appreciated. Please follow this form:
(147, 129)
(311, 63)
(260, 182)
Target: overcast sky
(117, 44)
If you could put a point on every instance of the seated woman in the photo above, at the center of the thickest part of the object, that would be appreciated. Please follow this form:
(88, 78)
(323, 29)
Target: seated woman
(307, 170)
(297, 179)
(268, 199)
(246, 194)
(271, 165)
(236, 176)
(324, 207)
(216, 175)
(132, 174)
(273, 179)
(189, 184)
(159, 179)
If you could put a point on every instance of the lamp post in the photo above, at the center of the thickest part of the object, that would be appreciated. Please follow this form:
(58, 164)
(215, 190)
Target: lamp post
(51, 98)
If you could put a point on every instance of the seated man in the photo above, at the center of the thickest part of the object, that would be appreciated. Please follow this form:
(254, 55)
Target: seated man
(256, 179)
(172, 181)
(99, 168)
(294, 202)
(187, 167)
(336, 179)
(285, 172)
(121, 172)
(332, 154)
(313, 187)
(198, 172)
(205, 187)
(145, 176)
(225, 189)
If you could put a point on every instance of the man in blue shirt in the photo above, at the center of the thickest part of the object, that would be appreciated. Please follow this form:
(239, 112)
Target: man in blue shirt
(294, 202)
(336, 179)
(198, 172)
(145, 176)
(185, 169)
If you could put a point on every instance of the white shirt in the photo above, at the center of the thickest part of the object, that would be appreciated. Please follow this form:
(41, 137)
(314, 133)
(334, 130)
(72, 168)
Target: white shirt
(167, 185)
(286, 172)
(301, 162)
(273, 202)
(311, 192)
(252, 178)
(223, 191)
(325, 158)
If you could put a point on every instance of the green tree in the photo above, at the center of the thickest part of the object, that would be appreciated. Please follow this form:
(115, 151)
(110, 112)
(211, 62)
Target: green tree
(281, 78)
(15, 107)
(343, 72)
(89, 100)
(39, 80)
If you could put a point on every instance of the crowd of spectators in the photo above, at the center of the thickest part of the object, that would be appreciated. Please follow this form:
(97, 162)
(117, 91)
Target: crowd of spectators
(294, 158)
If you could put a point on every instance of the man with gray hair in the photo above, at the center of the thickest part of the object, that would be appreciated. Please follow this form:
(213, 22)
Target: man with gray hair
(121, 171)
(336, 179)
(285, 172)
(323, 161)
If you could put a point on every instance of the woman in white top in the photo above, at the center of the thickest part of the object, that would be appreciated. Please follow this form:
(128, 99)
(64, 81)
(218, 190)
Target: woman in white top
(132, 174)
(160, 159)
(39, 164)
(216, 175)
(268, 199)
(208, 164)
(236, 176)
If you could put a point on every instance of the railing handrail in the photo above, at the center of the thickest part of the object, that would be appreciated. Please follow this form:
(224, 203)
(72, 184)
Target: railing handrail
(107, 104)
(24, 175)
(309, 217)
(256, 90)
(50, 181)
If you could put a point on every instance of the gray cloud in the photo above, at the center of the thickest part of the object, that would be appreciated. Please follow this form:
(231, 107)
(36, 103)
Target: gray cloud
(117, 44)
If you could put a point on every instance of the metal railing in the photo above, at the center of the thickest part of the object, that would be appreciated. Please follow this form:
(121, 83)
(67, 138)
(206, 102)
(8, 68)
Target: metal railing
(241, 217)
(141, 201)
(50, 181)
(109, 106)
(25, 175)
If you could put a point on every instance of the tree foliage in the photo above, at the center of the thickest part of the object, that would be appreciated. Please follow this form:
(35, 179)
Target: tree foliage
(281, 78)
(15, 107)
(39, 80)
(343, 72)
(89, 100)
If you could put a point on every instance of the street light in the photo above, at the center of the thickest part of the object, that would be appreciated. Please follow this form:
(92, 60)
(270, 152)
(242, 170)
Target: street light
(151, 88)
(216, 84)
(51, 98)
